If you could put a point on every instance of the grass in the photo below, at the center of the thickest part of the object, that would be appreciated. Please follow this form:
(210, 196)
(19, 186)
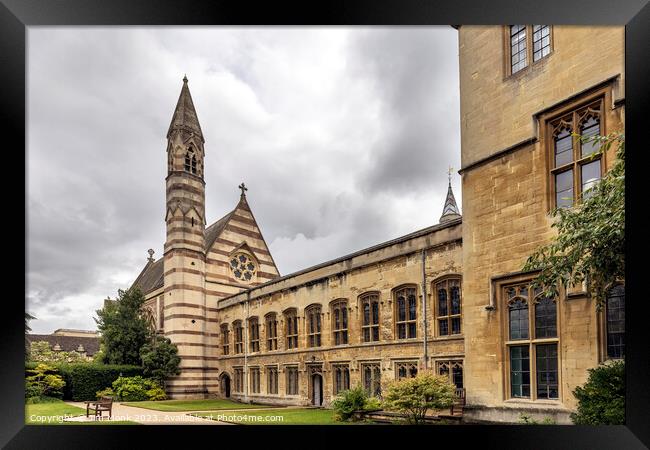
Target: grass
(54, 411)
(288, 417)
(192, 405)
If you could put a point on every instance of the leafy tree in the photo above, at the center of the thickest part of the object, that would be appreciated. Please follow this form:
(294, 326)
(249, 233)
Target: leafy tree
(601, 400)
(347, 402)
(44, 382)
(160, 359)
(28, 317)
(590, 243)
(414, 396)
(40, 351)
(123, 327)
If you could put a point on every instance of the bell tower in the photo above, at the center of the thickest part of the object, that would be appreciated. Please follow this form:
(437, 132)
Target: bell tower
(184, 252)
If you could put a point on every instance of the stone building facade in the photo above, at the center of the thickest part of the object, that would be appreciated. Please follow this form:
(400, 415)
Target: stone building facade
(450, 297)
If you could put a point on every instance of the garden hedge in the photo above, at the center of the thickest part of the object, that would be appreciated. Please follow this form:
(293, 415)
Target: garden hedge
(83, 380)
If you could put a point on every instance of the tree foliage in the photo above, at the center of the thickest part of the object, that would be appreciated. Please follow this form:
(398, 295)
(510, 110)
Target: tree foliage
(590, 242)
(160, 359)
(414, 396)
(601, 400)
(44, 382)
(123, 327)
(347, 402)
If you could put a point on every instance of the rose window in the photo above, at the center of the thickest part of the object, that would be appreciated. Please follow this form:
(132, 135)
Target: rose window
(242, 267)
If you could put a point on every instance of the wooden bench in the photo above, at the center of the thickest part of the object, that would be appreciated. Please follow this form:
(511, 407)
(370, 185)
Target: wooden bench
(99, 406)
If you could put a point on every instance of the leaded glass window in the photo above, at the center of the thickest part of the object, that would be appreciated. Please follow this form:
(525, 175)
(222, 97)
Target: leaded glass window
(292, 380)
(371, 378)
(545, 318)
(406, 369)
(519, 371)
(341, 377)
(541, 41)
(546, 368)
(272, 379)
(255, 380)
(452, 370)
(190, 161)
(518, 53)
(239, 380)
(340, 322)
(518, 319)
(406, 305)
(615, 313)
(242, 266)
(225, 339)
(271, 332)
(313, 325)
(291, 320)
(448, 307)
(239, 336)
(254, 334)
(370, 318)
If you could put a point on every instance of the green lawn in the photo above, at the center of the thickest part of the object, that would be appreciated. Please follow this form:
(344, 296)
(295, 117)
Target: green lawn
(288, 417)
(53, 412)
(192, 405)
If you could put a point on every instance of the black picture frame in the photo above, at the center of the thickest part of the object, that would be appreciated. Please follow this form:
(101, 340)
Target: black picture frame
(16, 15)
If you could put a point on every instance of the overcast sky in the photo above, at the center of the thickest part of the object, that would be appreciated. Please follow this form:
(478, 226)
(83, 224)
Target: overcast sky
(342, 135)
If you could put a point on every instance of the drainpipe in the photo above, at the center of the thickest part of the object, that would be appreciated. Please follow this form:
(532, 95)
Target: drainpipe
(424, 306)
(245, 344)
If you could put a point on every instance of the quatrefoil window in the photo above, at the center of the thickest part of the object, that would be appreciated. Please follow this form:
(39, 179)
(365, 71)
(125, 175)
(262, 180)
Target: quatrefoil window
(242, 267)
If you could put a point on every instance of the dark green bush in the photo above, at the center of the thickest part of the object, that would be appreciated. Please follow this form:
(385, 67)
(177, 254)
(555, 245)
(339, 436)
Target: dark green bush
(82, 381)
(601, 400)
(355, 399)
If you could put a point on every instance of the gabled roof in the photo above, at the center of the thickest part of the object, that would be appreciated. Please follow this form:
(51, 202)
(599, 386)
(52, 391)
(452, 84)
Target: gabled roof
(151, 277)
(68, 343)
(214, 230)
(185, 117)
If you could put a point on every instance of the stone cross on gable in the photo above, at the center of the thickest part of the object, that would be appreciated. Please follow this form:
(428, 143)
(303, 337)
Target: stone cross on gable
(243, 189)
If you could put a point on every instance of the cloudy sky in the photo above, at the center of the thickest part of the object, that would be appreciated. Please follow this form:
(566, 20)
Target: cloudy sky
(343, 136)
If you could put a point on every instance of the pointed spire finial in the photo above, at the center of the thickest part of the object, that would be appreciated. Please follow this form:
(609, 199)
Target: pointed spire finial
(185, 78)
(151, 252)
(450, 211)
(243, 189)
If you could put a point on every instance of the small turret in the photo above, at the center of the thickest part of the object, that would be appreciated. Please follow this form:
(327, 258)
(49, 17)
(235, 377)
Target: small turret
(450, 210)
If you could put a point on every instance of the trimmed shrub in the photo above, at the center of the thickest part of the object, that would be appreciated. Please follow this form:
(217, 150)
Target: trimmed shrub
(350, 401)
(43, 381)
(135, 389)
(601, 400)
(108, 392)
(82, 381)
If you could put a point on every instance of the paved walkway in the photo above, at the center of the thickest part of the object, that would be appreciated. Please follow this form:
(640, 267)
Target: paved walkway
(148, 416)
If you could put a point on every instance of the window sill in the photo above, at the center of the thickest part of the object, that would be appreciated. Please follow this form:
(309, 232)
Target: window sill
(529, 402)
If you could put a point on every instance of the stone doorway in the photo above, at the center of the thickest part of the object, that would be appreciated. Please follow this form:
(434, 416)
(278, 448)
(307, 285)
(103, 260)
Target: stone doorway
(225, 385)
(317, 390)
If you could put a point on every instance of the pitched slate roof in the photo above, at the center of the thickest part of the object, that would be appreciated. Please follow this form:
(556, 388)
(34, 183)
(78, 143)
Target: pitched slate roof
(213, 231)
(450, 210)
(68, 343)
(151, 277)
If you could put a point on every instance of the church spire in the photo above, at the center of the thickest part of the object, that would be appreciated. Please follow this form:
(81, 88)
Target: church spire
(185, 118)
(450, 210)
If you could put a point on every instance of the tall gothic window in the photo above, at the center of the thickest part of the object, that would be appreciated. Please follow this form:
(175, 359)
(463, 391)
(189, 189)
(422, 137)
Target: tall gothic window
(239, 336)
(272, 379)
(190, 161)
(225, 339)
(340, 322)
(292, 380)
(271, 332)
(406, 312)
(255, 380)
(313, 325)
(615, 313)
(371, 378)
(239, 380)
(407, 369)
(370, 317)
(448, 306)
(254, 334)
(532, 334)
(341, 373)
(576, 167)
(291, 319)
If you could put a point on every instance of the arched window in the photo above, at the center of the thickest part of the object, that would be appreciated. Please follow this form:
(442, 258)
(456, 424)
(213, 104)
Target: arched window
(225, 339)
(615, 312)
(406, 313)
(341, 380)
(370, 317)
(313, 325)
(518, 312)
(271, 331)
(190, 161)
(406, 370)
(448, 306)
(254, 334)
(340, 322)
(291, 319)
(239, 336)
